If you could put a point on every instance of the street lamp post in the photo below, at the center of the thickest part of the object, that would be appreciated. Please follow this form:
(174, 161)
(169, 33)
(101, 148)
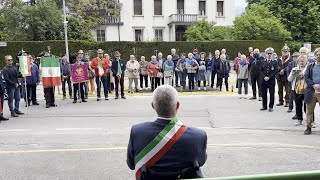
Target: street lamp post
(65, 23)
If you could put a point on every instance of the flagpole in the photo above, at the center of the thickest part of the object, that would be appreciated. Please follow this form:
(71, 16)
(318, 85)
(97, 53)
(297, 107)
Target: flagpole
(79, 92)
(27, 100)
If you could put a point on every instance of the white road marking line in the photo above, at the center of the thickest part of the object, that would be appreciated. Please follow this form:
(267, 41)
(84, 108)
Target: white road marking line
(15, 130)
(77, 129)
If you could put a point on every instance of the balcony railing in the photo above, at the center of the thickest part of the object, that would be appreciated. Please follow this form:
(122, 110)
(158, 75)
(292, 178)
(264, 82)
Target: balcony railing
(183, 18)
(111, 20)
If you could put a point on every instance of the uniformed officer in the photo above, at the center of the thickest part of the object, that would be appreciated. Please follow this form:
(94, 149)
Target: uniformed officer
(268, 72)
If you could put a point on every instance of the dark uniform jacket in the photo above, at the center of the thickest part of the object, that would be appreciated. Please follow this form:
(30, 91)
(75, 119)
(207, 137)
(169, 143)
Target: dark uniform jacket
(114, 67)
(308, 74)
(283, 67)
(269, 69)
(189, 148)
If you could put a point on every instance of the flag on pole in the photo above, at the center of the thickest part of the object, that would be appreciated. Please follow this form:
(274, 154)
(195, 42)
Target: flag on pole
(101, 71)
(50, 70)
(24, 65)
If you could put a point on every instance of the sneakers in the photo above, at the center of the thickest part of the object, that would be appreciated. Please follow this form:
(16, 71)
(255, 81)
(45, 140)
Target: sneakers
(199, 89)
(246, 96)
(314, 125)
(205, 88)
(307, 131)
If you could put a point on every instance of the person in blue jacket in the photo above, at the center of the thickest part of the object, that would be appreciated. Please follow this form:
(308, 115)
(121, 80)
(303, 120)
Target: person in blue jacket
(32, 82)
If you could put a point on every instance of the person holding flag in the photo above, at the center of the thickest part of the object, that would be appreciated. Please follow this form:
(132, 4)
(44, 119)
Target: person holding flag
(100, 65)
(2, 91)
(118, 68)
(166, 147)
(10, 75)
(32, 81)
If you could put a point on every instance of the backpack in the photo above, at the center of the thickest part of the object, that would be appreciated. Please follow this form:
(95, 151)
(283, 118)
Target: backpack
(300, 86)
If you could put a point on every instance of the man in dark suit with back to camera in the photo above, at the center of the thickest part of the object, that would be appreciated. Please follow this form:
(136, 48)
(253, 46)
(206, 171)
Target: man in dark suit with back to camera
(166, 148)
(268, 72)
(118, 68)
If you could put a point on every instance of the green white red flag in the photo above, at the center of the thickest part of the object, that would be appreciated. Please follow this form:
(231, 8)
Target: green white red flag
(24, 65)
(50, 70)
(100, 67)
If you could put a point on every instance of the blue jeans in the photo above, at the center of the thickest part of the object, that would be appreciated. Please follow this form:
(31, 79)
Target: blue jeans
(183, 79)
(13, 94)
(103, 80)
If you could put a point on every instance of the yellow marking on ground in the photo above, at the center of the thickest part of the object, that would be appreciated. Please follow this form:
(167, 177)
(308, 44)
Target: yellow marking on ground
(263, 145)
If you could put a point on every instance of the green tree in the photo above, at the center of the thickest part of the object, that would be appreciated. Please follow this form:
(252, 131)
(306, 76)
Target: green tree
(3, 34)
(208, 31)
(258, 23)
(301, 18)
(78, 29)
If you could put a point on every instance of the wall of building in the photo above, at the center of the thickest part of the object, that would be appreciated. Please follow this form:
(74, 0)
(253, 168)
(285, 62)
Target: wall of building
(149, 22)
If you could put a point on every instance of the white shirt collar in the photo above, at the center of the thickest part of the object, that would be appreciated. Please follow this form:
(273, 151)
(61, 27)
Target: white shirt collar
(165, 118)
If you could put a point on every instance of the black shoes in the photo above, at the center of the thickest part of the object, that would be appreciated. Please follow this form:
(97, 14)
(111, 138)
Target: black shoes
(53, 105)
(263, 109)
(270, 109)
(98, 99)
(19, 112)
(280, 104)
(294, 117)
(307, 131)
(106, 98)
(84, 100)
(74, 102)
(13, 114)
(123, 97)
(35, 103)
(252, 98)
(286, 105)
(289, 110)
(117, 97)
(3, 118)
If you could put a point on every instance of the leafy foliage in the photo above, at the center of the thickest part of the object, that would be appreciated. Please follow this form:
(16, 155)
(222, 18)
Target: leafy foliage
(258, 23)
(208, 31)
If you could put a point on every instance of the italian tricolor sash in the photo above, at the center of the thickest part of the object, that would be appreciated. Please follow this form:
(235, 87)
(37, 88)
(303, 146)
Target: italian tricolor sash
(100, 67)
(160, 145)
(24, 65)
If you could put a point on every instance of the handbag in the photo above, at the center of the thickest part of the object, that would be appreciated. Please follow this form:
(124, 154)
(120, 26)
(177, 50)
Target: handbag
(300, 86)
(160, 75)
(167, 74)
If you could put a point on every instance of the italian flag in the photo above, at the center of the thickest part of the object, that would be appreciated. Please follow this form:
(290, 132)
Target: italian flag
(50, 70)
(24, 65)
(100, 67)
(160, 145)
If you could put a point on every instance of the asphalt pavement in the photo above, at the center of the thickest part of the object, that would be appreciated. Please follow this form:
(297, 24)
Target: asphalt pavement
(88, 140)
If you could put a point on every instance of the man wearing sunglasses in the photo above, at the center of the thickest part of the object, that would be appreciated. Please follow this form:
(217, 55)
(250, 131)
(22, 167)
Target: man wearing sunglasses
(268, 72)
(10, 75)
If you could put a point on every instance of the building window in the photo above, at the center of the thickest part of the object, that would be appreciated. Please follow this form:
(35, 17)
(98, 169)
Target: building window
(202, 8)
(180, 6)
(101, 35)
(158, 34)
(220, 8)
(137, 7)
(157, 7)
(138, 34)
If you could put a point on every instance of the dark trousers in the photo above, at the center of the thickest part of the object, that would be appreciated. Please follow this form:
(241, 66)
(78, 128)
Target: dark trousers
(13, 94)
(183, 79)
(64, 81)
(49, 95)
(283, 85)
(256, 80)
(110, 85)
(265, 85)
(145, 78)
(191, 77)
(225, 82)
(176, 78)
(1, 101)
(154, 82)
(291, 97)
(213, 76)
(32, 93)
(76, 88)
(102, 81)
(245, 85)
(299, 99)
(204, 83)
(121, 83)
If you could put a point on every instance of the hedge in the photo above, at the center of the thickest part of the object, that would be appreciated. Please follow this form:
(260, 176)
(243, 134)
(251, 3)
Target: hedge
(140, 48)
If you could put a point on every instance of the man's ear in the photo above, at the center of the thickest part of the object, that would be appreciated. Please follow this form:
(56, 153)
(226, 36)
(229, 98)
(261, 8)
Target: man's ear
(152, 105)
(178, 105)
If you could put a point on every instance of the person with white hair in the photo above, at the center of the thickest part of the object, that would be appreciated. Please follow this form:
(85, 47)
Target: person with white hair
(161, 60)
(242, 70)
(175, 149)
(312, 92)
(133, 67)
(175, 59)
(214, 64)
(223, 71)
(224, 51)
(154, 70)
(191, 66)
(168, 68)
(305, 51)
